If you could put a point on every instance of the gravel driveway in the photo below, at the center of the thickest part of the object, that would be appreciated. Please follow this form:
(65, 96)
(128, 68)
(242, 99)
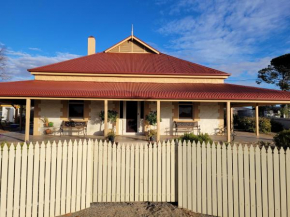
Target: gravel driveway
(133, 209)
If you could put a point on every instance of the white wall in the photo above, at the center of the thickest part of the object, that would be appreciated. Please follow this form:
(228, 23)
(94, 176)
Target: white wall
(95, 126)
(209, 118)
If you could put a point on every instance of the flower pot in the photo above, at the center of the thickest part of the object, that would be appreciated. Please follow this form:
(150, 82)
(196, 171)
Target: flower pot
(48, 131)
(111, 139)
(50, 124)
(46, 124)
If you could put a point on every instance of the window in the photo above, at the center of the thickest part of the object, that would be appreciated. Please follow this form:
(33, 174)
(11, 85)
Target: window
(76, 109)
(185, 110)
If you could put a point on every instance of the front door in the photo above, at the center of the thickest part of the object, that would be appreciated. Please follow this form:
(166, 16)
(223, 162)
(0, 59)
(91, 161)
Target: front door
(131, 116)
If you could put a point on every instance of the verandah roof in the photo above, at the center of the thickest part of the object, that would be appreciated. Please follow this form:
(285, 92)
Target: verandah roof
(131, 90)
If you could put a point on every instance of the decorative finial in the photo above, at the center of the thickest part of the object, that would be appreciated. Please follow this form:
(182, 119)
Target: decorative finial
(132, 31)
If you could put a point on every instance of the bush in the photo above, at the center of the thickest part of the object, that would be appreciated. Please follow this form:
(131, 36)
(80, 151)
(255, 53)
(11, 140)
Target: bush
(282, 139)
(276, 126)
(196, 138)
(249, 124)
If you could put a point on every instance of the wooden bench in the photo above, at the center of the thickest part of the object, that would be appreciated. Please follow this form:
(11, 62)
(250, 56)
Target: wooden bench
(74, 126)
(186, 126)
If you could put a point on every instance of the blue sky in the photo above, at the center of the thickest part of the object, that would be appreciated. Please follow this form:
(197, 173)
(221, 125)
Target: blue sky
(239, 37)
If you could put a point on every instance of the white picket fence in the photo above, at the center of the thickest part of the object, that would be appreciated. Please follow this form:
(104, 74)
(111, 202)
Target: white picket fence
(45, 179)
(234, 180)
(221, 180)
(135, 172)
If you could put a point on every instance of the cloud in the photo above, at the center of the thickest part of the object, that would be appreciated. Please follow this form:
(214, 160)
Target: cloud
(34, 48)
(222, 31)
(18, 62)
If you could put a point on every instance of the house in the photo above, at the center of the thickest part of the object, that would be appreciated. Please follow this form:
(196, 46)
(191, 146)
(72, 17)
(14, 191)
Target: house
(133, 78)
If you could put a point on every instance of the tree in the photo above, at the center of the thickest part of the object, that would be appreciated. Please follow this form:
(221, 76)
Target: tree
(3, 74)
(277, 73)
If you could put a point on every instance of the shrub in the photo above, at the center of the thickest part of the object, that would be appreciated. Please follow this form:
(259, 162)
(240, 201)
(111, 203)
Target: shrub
(249, 124)
(282, 139)
(196, 138)
(276, 126)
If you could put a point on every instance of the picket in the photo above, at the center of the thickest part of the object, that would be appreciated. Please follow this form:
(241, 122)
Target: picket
(132, 172)
(58, 177)
(277, 183)
(47, 179)
(241, 180)
(118, 194)
(127, 178)
(283, 184)
(154, 172)
(247, 181)
(258, 182)
(150, 173)
(163, 176)
(198, 177)
(105, 170)
(11, 181)
(69, 178)
(264, 181)
(53, 179)
(137, 178)
(4, 171)
(235, 180)
(17, 180)
(209, 179)
(41, 180)
(63, 178)
(159, 172)
(109, 188)
(214, 184)
(114, 169)
(270, 183)
(288, 179)
(219, 181)
(193, 167)
(29, 184)
(224, 180)
(189, 176)
(74, 176)
(168, 171)
(146, 180)
(203, 164)
(141, 174)
(230, 209)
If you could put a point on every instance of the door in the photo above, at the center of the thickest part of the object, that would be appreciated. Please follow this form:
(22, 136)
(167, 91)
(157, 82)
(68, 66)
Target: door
(131, 116)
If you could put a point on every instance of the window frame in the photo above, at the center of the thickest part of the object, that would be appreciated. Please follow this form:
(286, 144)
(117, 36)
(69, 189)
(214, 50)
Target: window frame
(76, 102)
(192, 110)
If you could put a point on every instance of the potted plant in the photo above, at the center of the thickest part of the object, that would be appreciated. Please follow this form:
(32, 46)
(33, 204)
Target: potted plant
(151, 135)
(50, 124)
(45, 121)
(151, 118)
(111, 136)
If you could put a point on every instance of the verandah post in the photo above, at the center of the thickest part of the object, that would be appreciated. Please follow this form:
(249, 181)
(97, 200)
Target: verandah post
(257, 120)
(27, 119)
(229, 121)
(158, 120)
(105, 117)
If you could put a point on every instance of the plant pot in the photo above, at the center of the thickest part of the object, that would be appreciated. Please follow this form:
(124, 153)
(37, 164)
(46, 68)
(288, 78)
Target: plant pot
(111, 139)
(152, 139)
(50, 124)
(46, 124)
(48, 131)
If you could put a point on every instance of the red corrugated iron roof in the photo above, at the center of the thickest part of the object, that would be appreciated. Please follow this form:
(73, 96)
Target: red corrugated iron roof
(130, 63)
(111, 90)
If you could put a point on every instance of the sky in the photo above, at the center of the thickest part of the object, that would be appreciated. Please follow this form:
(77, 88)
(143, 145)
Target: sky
(238, 37)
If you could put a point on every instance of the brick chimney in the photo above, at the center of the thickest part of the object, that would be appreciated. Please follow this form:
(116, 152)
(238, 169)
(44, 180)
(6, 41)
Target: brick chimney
(91, 45)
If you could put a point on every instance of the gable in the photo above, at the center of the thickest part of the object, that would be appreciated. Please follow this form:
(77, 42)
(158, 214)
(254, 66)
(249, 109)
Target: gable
(131, 45)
